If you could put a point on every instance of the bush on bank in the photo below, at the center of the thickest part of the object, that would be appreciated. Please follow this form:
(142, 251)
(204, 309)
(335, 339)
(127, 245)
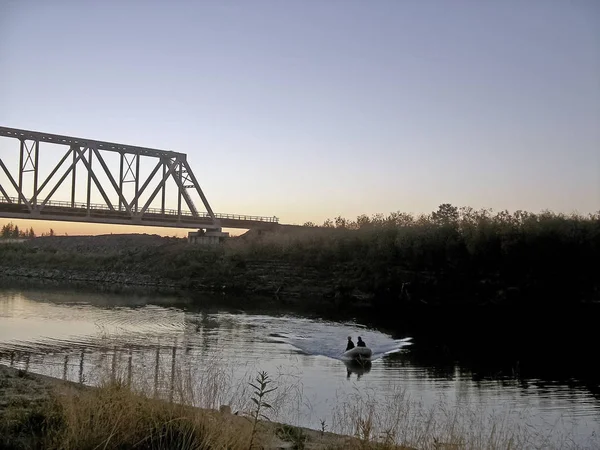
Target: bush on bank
(449, 257)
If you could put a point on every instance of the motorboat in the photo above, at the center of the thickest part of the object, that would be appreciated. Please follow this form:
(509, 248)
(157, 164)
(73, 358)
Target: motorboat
(358, 353)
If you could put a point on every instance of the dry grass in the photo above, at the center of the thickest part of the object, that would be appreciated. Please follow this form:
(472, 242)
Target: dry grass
(386, 422)
(116, 415)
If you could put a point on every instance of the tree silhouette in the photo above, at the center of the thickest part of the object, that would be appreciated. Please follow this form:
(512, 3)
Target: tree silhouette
(446, 214)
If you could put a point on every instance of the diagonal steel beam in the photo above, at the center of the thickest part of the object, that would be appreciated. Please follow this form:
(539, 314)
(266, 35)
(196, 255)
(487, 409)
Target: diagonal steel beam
(146, 183)
(65, 175)
(198, 189)
(172, 167)
(15, 185)
(90, 171)
(112, 180)
(5, 194)
(183, 193)
(37, 192)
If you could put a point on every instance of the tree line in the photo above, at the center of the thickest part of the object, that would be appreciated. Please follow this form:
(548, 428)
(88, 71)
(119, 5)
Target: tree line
(447, 214)
(12, 231)
(451, 255)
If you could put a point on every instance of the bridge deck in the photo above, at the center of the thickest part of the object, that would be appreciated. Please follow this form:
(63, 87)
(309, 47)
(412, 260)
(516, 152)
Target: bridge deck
(63, 211)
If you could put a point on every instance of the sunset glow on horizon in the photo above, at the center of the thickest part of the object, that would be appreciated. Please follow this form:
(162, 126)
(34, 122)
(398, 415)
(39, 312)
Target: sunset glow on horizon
(312, 110)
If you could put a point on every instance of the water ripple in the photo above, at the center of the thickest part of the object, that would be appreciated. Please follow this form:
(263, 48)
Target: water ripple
(72, 339)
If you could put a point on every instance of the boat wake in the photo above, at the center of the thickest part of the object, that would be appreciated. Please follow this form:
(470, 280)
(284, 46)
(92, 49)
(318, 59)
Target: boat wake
(332, 345)
(393, 347)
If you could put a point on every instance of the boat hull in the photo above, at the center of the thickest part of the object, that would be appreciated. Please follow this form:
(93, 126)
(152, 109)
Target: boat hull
(360, 353)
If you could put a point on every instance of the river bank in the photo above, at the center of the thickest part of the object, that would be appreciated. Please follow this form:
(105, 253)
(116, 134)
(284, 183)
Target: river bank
(471, 259)
(37, 411)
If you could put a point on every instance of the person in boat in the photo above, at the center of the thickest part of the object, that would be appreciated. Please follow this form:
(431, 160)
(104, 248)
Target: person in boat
(350, 345)
(360, 342)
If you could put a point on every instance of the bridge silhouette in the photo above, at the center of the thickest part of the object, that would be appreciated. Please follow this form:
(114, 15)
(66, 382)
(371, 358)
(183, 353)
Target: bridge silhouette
(30, 194)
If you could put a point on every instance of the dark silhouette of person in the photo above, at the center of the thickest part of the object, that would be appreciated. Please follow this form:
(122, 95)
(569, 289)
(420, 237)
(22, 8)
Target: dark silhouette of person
(360, 342)
(350, 345)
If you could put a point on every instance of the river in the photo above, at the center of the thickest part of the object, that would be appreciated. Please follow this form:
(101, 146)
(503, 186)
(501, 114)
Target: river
(205, 351)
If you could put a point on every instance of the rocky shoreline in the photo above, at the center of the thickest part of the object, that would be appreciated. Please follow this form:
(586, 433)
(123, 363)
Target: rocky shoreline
(85, 276)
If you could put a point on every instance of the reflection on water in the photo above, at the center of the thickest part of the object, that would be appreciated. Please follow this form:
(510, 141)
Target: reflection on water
(165, 342)
(358, 367)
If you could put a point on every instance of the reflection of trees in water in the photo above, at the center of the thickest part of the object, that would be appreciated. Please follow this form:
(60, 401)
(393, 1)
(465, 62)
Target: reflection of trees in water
(505, 345)
(500, 363)
(433, 362)
(9, 300)
(98, 294)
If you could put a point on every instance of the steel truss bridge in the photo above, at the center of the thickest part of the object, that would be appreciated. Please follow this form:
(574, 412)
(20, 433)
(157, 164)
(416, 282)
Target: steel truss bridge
(34, 199)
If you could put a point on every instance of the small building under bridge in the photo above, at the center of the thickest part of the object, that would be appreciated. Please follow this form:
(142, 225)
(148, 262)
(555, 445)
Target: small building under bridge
(209, 237)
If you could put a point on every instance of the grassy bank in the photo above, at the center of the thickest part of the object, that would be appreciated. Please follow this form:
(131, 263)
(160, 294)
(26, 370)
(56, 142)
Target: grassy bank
(39, 412)
(449, 257)
(46, 413)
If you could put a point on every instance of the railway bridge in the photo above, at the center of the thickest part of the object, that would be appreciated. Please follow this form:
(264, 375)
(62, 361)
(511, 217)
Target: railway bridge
(104, 182)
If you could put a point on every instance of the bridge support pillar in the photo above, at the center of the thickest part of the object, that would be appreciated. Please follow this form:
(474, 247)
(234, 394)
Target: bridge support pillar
(207, 237)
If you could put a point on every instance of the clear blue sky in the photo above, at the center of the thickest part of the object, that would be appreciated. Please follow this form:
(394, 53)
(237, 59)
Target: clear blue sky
(312, 109)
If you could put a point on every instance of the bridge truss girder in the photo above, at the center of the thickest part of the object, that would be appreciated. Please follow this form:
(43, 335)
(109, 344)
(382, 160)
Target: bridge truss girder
(87, 153)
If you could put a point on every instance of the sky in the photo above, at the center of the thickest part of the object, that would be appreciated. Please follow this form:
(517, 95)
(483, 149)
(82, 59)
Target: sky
(308, 110)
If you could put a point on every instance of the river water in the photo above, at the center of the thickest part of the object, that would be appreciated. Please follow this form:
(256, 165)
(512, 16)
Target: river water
(205, 351)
